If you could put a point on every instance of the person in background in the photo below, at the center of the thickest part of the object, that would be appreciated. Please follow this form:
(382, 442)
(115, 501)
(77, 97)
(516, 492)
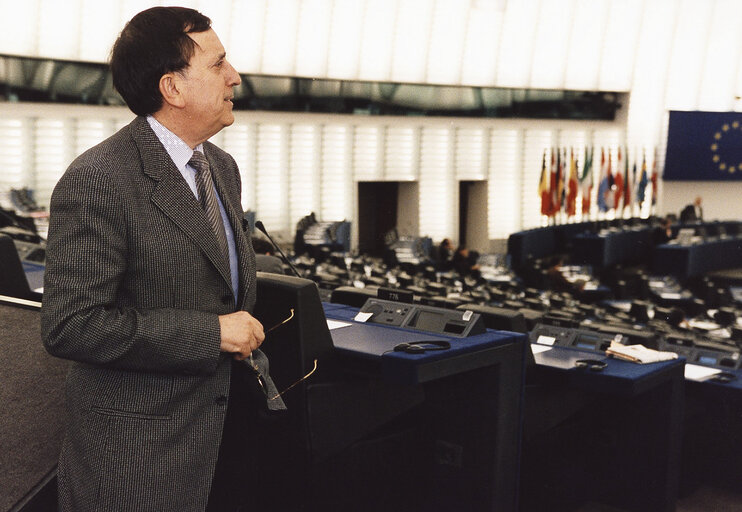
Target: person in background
(556, 280)
(149, 284)
(465, 262)
(692, 212)
(444, 255)
(662, 234)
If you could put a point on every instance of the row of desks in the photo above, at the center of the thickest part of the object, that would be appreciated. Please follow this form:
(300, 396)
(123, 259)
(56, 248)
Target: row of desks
(495, 464)
(635, 246)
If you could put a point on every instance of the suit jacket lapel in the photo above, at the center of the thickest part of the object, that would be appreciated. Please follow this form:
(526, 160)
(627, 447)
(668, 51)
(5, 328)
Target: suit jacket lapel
(173, 196)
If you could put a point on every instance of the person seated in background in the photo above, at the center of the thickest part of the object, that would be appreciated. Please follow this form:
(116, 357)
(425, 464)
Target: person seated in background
(662, 233)
(465, 262)
(692, 212)
(556, 280)
(443, 255)
(265, 260)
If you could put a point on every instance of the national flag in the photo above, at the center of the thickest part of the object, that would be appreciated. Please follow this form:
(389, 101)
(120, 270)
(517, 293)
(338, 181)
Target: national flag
(641, 188)
(618, 180)
(543, 188)
(562, 179)
(553, 182)
(586, 181)
(611, 182)
(654, 179)
(627, 182)
(605, 187)
(572, 185)
(558, 193)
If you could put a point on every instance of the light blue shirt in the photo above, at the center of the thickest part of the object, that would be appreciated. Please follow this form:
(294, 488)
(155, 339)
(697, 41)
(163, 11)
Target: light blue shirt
(181, 153)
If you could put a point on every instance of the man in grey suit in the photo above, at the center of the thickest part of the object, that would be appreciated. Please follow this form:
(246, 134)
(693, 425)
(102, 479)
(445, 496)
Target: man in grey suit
(143, 292)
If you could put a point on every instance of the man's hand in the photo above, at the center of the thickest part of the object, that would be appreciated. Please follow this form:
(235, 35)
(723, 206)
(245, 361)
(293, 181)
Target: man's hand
(241, 334)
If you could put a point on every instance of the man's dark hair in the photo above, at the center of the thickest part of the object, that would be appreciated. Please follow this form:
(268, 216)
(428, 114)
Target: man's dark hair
(153, 43)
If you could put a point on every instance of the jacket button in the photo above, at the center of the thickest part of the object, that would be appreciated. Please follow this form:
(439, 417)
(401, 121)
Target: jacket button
(227, 299)
(221, 400)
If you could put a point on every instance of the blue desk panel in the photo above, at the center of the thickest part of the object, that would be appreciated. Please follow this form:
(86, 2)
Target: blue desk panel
(618, 377)
(611, 248)
(685, 261)
(473, 403)
(376, 343)
(631, 418)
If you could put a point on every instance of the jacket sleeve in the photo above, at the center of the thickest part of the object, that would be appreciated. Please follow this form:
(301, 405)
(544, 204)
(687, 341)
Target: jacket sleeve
(84, 316)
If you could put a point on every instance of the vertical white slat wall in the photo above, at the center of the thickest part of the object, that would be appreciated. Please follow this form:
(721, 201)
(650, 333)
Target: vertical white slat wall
(439, 213)
(15, 155)
(239, 141)
(53, 151)
(368, 152)
(304, 166)
(470, 155)
(294, 164)
(401, 153)
(504, 194)
(271, 187)
(336, 179)
(89, 132)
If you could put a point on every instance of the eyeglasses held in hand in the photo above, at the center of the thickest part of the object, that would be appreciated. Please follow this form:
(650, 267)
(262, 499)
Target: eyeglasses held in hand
(264, 385)
(261, 379)
(291, 315)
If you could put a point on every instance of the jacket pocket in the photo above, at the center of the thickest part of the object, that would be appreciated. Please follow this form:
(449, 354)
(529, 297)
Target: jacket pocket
(138, 395)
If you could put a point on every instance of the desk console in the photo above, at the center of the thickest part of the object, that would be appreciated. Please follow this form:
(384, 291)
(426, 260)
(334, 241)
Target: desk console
(419, 317)
(571, 337)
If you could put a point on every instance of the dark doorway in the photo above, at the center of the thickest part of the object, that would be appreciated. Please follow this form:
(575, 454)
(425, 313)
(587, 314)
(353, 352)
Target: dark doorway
(377, 214)
(473, 215)
(463, 210)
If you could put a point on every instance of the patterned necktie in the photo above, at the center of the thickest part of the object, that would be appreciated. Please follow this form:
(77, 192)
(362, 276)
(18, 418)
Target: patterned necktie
(207, 195)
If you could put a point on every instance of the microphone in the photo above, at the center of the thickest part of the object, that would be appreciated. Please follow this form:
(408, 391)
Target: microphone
(259, 226)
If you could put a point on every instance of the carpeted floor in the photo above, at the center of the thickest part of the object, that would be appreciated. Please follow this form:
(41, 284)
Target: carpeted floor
(703, 499)
(711, 499)
(31, 397)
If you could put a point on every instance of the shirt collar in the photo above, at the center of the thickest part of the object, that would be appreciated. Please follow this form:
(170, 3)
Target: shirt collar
(178, 150)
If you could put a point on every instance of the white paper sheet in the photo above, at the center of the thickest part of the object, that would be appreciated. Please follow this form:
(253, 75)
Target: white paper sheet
(696, 372)
(336, 324)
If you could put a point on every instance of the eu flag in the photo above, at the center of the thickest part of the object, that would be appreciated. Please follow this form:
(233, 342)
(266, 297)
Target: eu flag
(704, 146)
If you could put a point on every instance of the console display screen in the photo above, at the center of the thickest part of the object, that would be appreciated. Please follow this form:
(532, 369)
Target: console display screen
(707, 360)
(429, 321)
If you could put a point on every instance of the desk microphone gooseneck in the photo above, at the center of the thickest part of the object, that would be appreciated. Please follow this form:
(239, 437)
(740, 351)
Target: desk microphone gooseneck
(259, 226)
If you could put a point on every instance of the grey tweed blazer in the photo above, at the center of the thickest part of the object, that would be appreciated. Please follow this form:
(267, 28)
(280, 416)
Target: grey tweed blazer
(134, 283)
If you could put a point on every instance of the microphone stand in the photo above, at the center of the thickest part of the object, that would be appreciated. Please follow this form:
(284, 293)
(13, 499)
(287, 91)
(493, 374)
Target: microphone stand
(261, 228)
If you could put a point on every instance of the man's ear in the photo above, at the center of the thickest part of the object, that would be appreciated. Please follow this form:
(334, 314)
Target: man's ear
(171, 90)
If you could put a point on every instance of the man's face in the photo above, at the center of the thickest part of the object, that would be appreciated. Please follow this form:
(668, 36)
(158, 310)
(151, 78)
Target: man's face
(208, 83)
